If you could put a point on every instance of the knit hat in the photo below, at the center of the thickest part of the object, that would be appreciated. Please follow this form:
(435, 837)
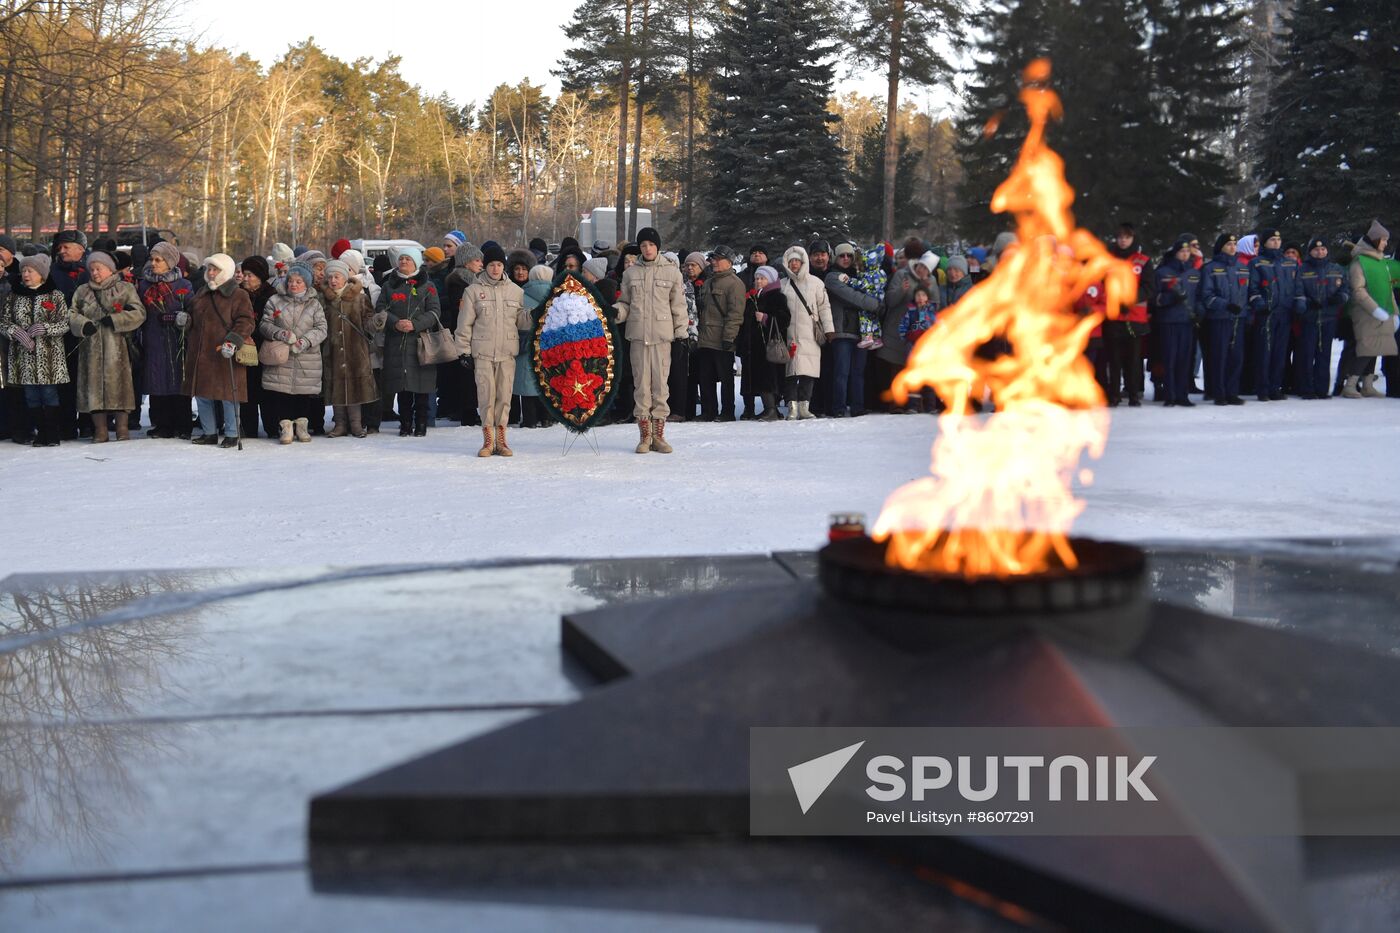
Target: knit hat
(1182, 241)
(102, 258)
(39, 262)
(959, 263)
(492, 252)
(70, 236)
(1314, 243)
(768, 272)
(434, 255)
(354, 259)
(1221, 240)
(1268, 233)
(845, 249)
(978, 253)
(302, 271)
(281, 252)
(697, 258)
(298, 250)
(337, 265)
(818, 246)
(649, 235)
(168, 252)
(539, 247)
(312, 256)
(568, 242)
(223, 270)
(597, 267)
(542, 273)
(456, 236)
(8, 244)
(1377, 233)
(412, 252)
(340, 246)
(761, 248)
(468, 253)
(256, 265)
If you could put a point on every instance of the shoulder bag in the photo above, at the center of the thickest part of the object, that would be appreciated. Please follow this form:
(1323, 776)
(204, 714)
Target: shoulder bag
(816, 321)
(438, 345)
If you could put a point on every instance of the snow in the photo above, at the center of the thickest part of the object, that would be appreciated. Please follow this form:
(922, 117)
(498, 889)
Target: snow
(1290, 468)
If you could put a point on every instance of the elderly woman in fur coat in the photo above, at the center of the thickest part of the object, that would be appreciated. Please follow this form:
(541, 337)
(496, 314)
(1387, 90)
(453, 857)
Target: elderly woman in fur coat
(35, 318)
(105, 309)
(220, 321)
(346, 377)
(292, 388)
(167, 297)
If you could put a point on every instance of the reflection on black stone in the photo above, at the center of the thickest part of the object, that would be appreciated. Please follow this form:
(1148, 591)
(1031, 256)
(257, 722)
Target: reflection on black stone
(61, 772)
(653, 578)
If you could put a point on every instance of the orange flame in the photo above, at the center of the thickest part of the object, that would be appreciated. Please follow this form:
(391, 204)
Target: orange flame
(1000, 500)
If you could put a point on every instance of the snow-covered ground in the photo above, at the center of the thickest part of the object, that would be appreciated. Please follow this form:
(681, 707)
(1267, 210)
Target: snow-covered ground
(1290, 468)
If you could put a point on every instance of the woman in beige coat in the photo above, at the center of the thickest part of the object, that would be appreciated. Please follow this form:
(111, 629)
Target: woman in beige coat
(104, 310)
(811, 314)
(292, 389)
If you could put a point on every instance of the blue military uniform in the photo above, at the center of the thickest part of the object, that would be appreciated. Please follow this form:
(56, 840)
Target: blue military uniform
(1325, 292)
(1273, 298)
(1222, 300)
(1177, 286)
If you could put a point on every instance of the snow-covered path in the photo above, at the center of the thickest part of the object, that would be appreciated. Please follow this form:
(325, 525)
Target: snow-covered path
(1290, 468)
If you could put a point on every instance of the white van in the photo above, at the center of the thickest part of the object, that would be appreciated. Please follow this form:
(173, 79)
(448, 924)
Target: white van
(372, 248)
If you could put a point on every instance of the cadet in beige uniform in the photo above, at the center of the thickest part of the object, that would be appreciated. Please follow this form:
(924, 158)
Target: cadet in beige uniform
(488, 336)
(652, 305)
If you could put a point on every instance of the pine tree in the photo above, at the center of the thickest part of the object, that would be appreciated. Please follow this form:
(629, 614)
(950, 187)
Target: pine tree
(867, 216)
(776, 172)
(1332, 133)
(1146, 92)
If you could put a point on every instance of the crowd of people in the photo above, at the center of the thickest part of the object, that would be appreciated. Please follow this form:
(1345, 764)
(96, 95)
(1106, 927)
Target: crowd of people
(218, 350)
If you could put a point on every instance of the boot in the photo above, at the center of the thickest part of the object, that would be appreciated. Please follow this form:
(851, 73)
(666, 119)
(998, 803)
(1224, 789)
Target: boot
(1349, 387)
(339, 419)
(793, 412)
(488, 442)
(1368, 387)
(502, 447)
(303, 435)
(804, 411)
(644, 443)
(770, 408)
(99, 427)
(286, 435)
(52, 425)
(123, 426)
(658, 437)
(357, 424)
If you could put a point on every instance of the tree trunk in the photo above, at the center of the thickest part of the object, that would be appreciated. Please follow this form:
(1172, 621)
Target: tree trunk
(7, 139)
(38, 214)
(690, 123)
(623, 106)
(892, 120)
(637, 130)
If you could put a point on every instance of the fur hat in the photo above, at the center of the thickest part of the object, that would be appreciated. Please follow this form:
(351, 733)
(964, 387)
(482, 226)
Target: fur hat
(168, 252)
(223, 266)
(354, 259)
(597, 267)
(697, 258)
(70, 236)
(468, 253)
(256, 265)
(456, 236)
(649, 235)
(99, 257)
(492, 252)
(341, 245)
(281, 252)
(337, 265)
(521, 257)
(542, 273)
(302, 271)
(39, 262)
(1377, 233)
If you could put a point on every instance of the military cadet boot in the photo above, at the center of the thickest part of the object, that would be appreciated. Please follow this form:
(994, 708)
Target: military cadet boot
(658, 437)
(502, 447)
(488, 441)
(644, 426)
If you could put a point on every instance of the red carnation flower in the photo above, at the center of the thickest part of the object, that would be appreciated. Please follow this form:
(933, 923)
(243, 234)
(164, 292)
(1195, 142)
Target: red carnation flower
(399, 296)
(47, 305)
(73, 274)
(182, 291)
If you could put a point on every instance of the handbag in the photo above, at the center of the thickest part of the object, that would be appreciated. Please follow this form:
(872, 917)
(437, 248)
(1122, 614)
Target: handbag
(438, 345)
(272, 352)
(246, 355)
(816, 322)
(775, 346)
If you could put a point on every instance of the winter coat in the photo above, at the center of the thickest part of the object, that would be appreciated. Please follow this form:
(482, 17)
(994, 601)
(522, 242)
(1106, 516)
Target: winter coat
(413, 299)
(759, 375)
(1273, 285)
(953, 292)
(719, 309)
(847, 302)
(811, 312)
(1132, 319)
(47, 363)
(536, 294)
(899, 294)
(306, 320)
(217, 316)
(104, 367)
(162, 341)
(1224, 282)
(457, 281)
(493, 315)
(67, 276)
(346, 375)
(652, 302)
(1373, 337)
(1177, 287)
(916, 320)
(1325, 289)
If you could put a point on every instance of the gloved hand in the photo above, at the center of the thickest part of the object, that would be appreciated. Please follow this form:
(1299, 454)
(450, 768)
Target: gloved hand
(286, 336)
(227, 350)
(680, 335)
(301, 345)
(1380, 314)
(106, 321)
(89, 328)
(727, 346)
(1233, 308)
(182, 319)
(379, 320)
(22, 337)
(37, 329)
(466, 361)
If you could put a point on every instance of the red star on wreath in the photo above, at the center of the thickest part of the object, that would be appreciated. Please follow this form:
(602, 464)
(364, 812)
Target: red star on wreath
(576, 387)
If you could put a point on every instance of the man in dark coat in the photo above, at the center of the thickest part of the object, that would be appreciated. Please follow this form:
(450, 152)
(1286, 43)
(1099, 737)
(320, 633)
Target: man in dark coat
(1123, 338)
(1326, 292)
(1274, 299)
(1222, 301)
(847, 386)
(719, 309)
(69, 272)
(1178, 283)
